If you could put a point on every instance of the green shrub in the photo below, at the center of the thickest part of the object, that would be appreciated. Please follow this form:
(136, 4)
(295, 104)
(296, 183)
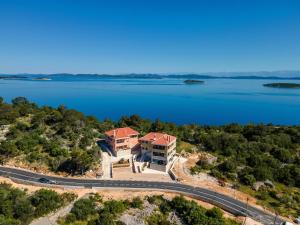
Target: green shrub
(83, 208)
(136, 202)
(17, 207)
(114, 207)
(45, 201)
(157, 219)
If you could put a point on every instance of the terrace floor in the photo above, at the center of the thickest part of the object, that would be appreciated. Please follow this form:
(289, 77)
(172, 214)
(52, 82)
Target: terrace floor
(126, 173)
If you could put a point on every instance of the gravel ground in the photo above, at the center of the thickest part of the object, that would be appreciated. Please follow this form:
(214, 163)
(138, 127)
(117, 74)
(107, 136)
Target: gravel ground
(138, 216)
(4, 129)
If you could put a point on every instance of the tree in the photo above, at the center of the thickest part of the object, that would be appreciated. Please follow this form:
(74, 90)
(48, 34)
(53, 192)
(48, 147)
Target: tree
(247, 179)
(165, 207)
(283, 155)
(53, 118)
(81, 160)
(233, 128)
(215, 213)
(136, 203)
(27, 144)
(7, 114)
(96, 197)
(285, 176)
(19, 208)
(23, 106)
(157, 219)
(262, 173)
(228, 166)
(19, 100)
(70, 218)
(23, 210)
(105, 218)
(193, 214)
(157, 126)
(8, 148)
(114, 207)
(45, 201)
(9, 221)
(83, 208)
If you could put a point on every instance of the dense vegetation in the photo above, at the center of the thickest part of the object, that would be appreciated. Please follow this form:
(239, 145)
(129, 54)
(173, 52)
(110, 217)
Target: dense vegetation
(252, 153)
(61, 139)
(64, 139)
(246, 154)
(283, 85)
(93, 211)
(193, 214)
(188, 211)
(17, 207)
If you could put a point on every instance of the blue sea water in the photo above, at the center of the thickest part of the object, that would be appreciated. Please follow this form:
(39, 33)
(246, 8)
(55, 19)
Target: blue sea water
(217, 102)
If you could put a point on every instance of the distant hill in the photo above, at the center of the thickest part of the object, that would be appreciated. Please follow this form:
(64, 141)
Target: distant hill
(281, 74)
(262, 75)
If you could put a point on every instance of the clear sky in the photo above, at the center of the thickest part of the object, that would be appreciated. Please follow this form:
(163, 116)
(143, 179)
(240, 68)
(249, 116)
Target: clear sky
(155, 36)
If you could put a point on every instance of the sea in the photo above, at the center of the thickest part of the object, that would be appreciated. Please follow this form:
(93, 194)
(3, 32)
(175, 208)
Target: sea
(216, 102)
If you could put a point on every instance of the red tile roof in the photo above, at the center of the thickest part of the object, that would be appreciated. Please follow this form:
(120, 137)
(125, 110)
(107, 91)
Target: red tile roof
(121, 132)
(158, 138)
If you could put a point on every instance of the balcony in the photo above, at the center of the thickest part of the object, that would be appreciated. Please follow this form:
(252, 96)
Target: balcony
(122, 147)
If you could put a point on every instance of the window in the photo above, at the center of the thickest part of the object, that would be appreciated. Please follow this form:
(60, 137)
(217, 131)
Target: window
(120, 141)
(159, 147)
(158, 154)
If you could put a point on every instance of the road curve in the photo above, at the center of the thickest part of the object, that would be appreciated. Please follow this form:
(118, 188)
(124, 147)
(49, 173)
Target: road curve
(227, 203)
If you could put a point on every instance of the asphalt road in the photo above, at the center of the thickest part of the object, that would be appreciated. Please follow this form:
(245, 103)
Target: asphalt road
(229, 204)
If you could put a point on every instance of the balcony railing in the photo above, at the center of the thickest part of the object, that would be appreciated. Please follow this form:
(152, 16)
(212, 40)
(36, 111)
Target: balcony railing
(125, 147)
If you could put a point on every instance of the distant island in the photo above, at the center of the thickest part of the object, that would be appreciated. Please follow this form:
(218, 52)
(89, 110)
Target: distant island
(194, 82)
(12, 77)
(41, 78)
(283, 85)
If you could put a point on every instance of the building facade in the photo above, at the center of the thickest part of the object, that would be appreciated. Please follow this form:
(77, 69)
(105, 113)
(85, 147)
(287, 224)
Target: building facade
(122, 141)
(161, 149)
(156, 148)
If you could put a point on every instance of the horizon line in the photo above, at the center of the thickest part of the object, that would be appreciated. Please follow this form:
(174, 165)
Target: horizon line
(158, 73)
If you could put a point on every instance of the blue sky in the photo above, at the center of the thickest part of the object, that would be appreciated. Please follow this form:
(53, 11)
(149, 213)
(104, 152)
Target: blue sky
(51, 36)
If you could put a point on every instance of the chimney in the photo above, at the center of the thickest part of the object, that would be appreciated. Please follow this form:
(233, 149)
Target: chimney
(154, 137)
(114, 133)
